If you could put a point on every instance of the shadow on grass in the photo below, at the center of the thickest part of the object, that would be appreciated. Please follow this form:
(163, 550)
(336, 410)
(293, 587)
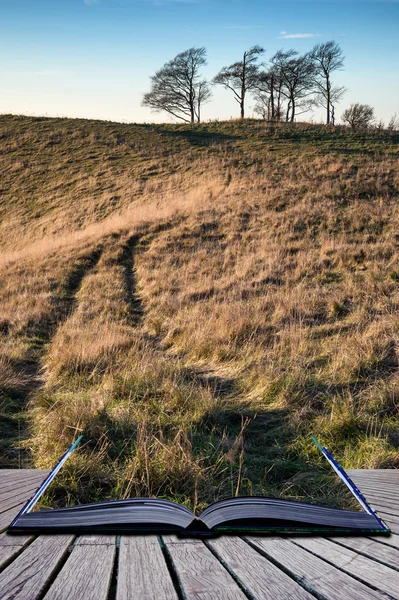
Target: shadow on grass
(269, 466)
(27, 379)
(197, 135)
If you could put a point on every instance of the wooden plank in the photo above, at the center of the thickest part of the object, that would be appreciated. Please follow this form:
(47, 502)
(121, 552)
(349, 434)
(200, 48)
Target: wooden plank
(201, 575)
(28, 575)
(11, 540)
(385, 508)
(376, 485)
(371, 548)
(143, 572)
(259, 576)
(377, 506)
(13, 485)
(373, 472)
(7, 480)
(375, 482)
(379, 488)
(391, 477)
(96, 540)
(10, 546)
(7, 516)
(388, 540)
(361, 471)
(379, 497)
(6, 472)
(379, 491)
(375, 574)
(22, 471)
(388, 517)
(87, 572)
(392, 526)
(15, 500)
(27, 488)
(17, 475)
(317, 575)
(19, 472)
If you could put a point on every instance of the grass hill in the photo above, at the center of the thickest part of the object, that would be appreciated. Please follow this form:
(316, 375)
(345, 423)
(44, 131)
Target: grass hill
(197, 301)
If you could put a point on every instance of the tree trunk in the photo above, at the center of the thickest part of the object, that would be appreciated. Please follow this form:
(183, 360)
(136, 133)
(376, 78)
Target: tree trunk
(328, 99)
(278, 115)
(243, 84)
(292, 110)
(272, 98)
(287, 114)
(192, 101)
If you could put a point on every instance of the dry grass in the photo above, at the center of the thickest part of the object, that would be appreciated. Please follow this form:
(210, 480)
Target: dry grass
(197, 301)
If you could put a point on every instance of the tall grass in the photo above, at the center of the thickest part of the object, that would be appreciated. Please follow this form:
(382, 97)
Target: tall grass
(196, 301)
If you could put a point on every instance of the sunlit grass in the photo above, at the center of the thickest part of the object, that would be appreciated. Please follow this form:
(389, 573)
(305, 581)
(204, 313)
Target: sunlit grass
(197, 301)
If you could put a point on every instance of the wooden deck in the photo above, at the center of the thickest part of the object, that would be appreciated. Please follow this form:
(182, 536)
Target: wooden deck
(106, 567)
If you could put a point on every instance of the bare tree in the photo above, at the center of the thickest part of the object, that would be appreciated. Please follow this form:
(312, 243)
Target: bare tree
(393, 124)
(203, 95)
(263, 105)
(296, 74)
(177, 88)
(242, 76)
(290, 78)
(269, 87)
(327, 58)
(358, 116)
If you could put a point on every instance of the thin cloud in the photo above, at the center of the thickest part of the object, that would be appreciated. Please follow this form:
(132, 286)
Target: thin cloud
(298, 36)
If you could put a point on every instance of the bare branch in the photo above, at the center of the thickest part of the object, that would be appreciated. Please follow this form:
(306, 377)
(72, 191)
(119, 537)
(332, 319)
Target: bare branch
(327, 58)
(177, 88)
(242, 76)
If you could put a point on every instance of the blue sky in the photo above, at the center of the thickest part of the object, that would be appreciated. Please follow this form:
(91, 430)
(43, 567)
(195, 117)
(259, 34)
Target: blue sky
(93, 58)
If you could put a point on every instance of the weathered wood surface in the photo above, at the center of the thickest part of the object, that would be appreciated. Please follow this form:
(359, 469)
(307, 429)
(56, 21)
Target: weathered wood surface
(350, 561)
(74, 581)
(201, 574)
(316, 574)
(16, 487)
(30, 573)
(106, 567)
(259, 576)
(140, 557)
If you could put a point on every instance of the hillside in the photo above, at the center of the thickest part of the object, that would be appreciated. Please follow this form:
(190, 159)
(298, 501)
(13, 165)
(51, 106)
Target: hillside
(197, 301)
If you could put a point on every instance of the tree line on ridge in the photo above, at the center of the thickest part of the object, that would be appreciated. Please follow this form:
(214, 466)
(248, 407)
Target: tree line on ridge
(290, 85)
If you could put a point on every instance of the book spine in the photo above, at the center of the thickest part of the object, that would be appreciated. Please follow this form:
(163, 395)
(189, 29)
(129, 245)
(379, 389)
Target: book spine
(349, 483)
(44, 485)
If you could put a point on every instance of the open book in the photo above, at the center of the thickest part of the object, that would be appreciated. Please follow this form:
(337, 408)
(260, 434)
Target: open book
(245, 514)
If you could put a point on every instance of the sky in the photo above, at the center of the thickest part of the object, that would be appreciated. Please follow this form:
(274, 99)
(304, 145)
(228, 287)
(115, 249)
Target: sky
(94, 58)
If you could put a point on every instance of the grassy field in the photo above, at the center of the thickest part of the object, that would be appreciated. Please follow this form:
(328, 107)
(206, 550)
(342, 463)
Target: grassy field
(197, 301)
